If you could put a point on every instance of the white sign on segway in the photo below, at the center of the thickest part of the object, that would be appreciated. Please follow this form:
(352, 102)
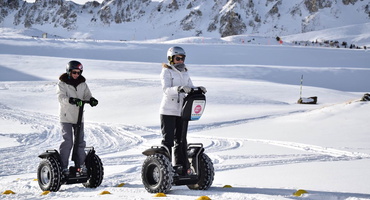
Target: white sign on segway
(197, 109)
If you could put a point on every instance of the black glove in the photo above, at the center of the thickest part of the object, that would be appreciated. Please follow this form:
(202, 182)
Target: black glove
(93, 102)
(75, 101)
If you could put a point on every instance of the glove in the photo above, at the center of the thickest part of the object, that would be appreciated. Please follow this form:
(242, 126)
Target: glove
(93, 102)
(204, 90)
(75, 101)
(185, 89)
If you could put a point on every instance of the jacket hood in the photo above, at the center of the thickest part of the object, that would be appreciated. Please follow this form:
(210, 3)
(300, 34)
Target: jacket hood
(168, 66)
(65, 78)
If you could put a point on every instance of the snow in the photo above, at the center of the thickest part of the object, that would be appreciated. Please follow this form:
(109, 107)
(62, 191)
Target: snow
(262, 143)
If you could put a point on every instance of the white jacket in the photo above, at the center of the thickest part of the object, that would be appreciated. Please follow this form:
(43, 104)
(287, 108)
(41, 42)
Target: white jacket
(68, 113)
(172, 100)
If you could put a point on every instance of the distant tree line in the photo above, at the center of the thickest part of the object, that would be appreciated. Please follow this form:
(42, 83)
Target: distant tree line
(329, 43)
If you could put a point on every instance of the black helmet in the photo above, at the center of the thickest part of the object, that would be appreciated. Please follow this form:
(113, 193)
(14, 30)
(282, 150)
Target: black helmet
(74, 65)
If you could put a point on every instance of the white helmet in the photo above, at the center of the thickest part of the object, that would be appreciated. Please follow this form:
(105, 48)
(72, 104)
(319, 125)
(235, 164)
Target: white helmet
(173, 51)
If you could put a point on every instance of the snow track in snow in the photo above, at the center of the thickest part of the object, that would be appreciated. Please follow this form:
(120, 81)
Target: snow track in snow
(339, 154)
(120, 147)
(313, 153)
(24, 156)
(105, 138)
(109, 139)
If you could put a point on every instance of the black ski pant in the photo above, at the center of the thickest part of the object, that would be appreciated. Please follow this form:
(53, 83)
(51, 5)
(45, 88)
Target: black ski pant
(174, 134)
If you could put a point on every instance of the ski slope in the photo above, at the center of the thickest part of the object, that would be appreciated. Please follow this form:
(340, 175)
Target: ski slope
(262, 143)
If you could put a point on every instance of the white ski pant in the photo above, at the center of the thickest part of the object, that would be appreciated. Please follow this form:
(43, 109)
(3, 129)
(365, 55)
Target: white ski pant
(67, 144)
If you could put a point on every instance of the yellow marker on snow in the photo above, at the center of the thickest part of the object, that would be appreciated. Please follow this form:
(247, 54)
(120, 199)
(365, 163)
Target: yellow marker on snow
(45, 192)
(120, 185)
(227, 186)
(8, 192)
(299, 193)
(104, 192)
(203, 198)
(160, 194)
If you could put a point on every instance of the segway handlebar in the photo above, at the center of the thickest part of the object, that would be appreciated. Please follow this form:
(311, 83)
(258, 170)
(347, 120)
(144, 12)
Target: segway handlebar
(84, 102)
(195, 90)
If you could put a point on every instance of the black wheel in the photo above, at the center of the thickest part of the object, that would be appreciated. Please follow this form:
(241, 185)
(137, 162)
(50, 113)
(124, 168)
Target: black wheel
(48, 174)
(157, 174)
(206, 173)
(95, 171)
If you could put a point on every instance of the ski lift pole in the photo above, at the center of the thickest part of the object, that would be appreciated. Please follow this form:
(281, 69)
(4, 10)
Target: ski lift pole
(300, 92)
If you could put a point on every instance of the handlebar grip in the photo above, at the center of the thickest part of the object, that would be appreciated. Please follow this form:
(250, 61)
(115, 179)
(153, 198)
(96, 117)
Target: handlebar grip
(193, 90)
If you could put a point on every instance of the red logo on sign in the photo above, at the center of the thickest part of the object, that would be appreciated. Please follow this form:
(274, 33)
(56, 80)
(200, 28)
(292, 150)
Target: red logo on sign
(197, 109)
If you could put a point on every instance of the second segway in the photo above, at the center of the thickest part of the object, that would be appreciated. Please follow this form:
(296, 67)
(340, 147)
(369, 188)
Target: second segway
(158, 174)
(49, 172)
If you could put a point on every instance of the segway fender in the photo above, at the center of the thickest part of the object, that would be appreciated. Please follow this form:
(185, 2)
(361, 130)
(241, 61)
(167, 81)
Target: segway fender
(50, 153)
(157, 149)
(90, 150)
(89, 156)
(195, 149)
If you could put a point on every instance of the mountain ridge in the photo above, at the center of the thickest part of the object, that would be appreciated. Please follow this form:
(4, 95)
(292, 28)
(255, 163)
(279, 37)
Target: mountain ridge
(184, 18)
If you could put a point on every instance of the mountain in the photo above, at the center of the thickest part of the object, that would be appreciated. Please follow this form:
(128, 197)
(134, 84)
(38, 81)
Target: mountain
(149, 19)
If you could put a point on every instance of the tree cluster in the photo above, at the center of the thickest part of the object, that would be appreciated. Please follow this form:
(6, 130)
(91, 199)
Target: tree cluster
(329, 43)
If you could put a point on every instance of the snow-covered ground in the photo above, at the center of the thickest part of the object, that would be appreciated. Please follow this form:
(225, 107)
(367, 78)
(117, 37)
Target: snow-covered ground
(262, 143)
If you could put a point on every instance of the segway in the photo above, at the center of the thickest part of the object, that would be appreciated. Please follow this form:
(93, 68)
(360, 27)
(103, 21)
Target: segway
(158, 173)
(49, 172)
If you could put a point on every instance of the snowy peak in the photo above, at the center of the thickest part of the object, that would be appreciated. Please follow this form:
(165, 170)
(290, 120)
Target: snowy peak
(191, 18)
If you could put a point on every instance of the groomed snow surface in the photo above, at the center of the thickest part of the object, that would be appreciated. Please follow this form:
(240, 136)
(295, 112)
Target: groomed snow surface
(262, 143)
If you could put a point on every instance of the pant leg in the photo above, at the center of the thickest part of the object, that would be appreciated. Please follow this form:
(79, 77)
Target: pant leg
(168, 126)
(81, 155)
(66, 146)
(181, 144)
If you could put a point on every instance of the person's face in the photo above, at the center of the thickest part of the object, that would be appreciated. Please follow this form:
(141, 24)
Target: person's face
(75, 73)
(178, 59)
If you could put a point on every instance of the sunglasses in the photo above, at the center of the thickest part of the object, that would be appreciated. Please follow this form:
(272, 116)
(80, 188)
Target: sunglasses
(180, 58)
(76, 72)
